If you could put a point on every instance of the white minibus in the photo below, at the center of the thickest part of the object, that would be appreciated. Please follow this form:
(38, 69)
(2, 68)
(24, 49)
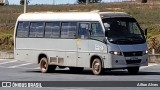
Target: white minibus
(77, 40)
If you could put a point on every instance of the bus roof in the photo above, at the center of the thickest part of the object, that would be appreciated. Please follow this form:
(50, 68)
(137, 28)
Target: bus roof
(69, 16)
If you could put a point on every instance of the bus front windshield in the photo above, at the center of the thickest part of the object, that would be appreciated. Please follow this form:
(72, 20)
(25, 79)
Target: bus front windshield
(123, 31)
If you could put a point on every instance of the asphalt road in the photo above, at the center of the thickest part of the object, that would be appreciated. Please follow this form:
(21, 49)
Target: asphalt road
(13, 70)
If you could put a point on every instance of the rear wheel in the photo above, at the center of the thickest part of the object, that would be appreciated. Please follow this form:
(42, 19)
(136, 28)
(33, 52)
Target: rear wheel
(97, 68)
(45, 67)
(133, 70)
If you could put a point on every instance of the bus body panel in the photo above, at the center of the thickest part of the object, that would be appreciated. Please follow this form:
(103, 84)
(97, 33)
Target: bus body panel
(82, 53)
(100, 49)
(53, 48)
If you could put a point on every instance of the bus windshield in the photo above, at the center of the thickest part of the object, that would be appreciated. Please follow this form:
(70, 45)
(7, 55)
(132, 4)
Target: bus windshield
(123, 31)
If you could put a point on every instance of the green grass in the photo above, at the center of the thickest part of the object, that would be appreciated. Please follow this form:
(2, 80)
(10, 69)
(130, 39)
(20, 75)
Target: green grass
(147, 15)
(6, 40)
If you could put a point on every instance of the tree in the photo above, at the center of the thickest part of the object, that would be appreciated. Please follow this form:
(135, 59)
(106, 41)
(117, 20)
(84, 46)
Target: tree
(22, 2)
(90, 1)
(144, 1)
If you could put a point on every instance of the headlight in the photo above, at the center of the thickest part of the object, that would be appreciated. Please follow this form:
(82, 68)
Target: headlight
(145, 52)
(115, 52)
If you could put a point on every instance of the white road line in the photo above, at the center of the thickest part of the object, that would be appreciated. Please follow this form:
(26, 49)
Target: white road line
(14, 68)
(5, 59)
(20, 65)
(148, 66)
(8, 62)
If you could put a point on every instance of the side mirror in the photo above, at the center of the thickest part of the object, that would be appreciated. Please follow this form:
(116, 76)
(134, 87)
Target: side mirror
(145, 32)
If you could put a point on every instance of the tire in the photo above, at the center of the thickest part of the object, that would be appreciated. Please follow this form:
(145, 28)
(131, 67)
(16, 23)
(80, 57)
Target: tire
(97, 68)
(76, 69)
(45, 67)
(133, 70)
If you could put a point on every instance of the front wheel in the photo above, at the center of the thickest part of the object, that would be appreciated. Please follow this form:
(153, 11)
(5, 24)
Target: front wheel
(133, 70)
(97, 68)
(45, 67)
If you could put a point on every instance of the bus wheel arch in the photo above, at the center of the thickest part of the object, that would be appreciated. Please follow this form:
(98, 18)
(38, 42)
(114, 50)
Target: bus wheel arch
(41, 56)
(92, 59)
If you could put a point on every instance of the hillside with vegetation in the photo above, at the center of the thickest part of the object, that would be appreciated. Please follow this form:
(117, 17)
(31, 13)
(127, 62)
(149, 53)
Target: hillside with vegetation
(146, 14)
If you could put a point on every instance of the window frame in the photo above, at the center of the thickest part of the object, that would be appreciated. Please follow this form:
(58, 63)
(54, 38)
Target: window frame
(30, 28)
(59, 29)
(16, 33)
(76, 34)
(101, 28)
(89, 28)
(91, 36)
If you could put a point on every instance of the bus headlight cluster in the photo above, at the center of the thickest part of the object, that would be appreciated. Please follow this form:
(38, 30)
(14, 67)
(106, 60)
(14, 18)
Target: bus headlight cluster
(115, 52)
(145, 52)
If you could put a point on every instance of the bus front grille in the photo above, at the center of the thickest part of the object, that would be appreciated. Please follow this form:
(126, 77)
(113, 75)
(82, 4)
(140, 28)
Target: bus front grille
(129, 54)
(133, 61)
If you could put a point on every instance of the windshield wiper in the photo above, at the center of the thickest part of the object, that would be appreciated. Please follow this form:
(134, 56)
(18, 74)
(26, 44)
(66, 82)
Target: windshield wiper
(135, 37)
(127, 40)
(122, 41)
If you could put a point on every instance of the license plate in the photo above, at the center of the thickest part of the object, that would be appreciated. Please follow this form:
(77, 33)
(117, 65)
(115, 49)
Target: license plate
(134, 58)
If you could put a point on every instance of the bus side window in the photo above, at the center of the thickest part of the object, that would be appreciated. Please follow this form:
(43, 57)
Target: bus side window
(22, 29)
(97, 31)
(52, 30)
(84, 30)
(36, 29)
(69, 30)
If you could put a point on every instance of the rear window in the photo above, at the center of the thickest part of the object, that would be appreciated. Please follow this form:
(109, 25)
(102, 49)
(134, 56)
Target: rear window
(22, 29)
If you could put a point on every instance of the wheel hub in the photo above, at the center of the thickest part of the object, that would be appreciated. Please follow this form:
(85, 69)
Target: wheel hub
(96, 67)
(43, 65)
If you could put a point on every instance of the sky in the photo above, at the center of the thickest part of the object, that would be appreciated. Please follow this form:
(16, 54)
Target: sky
(51, 1)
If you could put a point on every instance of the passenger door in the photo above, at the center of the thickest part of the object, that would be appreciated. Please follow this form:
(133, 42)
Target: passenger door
(82, 45)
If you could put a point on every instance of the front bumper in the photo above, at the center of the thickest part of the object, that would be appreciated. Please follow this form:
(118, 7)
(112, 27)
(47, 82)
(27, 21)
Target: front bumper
(133, 61)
